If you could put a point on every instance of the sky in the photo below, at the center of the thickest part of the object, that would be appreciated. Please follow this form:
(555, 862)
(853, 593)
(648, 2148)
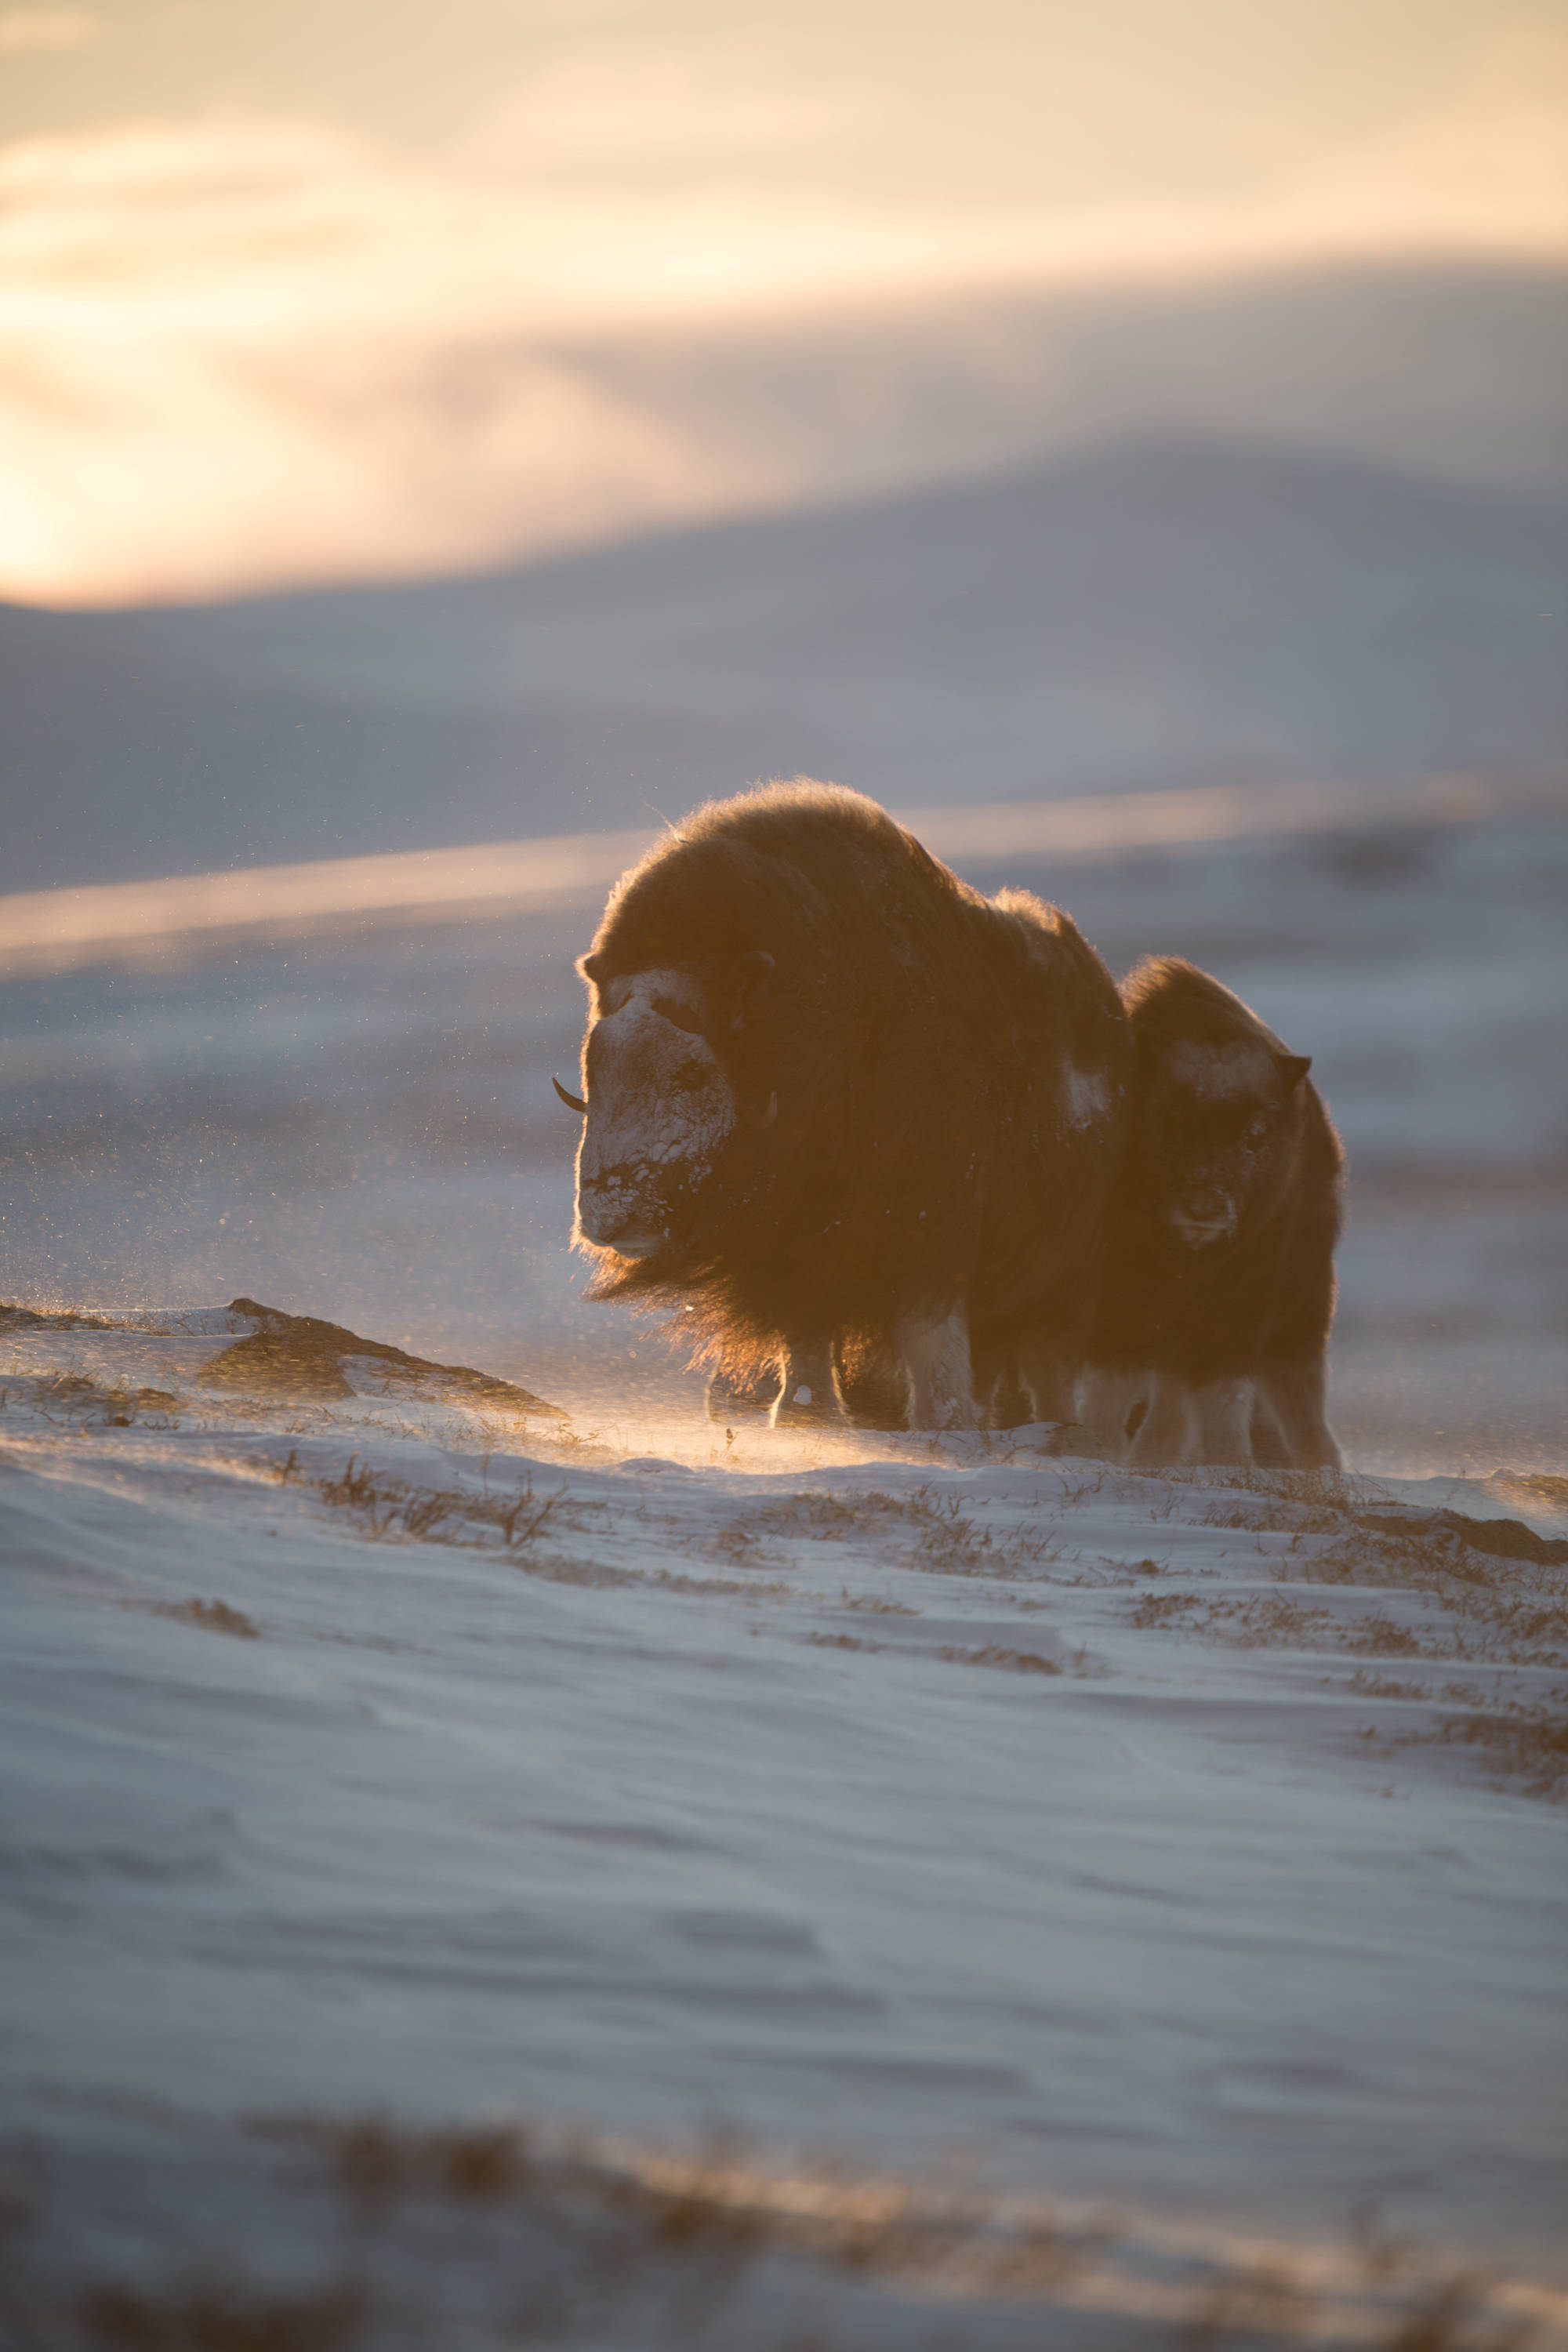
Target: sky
(350, 288)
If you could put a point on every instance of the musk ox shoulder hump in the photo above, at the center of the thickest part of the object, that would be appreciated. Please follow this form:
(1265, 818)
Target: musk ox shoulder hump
(794, 822)
(819, 878)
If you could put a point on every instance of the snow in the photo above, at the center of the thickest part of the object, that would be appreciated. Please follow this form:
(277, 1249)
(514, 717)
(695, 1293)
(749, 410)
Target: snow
(1087, 1096)
(1098, 1902)
(1181, 1847)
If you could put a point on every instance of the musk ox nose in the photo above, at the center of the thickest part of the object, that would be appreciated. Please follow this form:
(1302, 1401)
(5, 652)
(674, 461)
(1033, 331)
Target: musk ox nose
(609, 1198)
(612, 1214)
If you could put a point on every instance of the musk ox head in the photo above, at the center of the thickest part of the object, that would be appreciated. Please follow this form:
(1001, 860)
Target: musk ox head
(663, 1102)
(1220, 1129)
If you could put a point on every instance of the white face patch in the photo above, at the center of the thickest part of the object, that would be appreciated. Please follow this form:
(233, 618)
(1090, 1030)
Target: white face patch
(1215, 1072)
(660, 1107)
(1085, 1097)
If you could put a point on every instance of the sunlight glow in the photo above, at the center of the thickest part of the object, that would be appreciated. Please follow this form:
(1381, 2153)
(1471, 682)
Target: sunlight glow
(45, 32)
(61, 929)
(242, 348)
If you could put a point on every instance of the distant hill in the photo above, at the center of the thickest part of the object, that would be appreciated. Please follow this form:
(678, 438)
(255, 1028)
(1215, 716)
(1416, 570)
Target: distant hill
(1154, 613)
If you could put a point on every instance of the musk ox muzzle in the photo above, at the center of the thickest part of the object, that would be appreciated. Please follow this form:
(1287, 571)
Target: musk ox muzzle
(660, 1110)
(1206, 1215)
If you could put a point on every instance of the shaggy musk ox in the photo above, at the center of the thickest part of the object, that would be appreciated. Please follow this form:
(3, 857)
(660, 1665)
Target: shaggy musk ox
(839, 1104)
(1211, 1339)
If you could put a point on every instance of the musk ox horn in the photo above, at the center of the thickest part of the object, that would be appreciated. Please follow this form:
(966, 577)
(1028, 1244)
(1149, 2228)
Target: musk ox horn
(572, 1102)
(766, 1118)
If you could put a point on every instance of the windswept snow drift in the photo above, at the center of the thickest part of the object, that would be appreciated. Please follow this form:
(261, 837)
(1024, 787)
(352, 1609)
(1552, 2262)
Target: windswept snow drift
(1179, 1849)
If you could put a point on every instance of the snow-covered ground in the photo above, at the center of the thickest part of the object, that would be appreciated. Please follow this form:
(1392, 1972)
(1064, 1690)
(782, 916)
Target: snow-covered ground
(466, 1873)
(1092, 1906)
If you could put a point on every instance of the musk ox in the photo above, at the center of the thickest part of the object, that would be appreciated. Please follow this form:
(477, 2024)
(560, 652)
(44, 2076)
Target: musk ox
(839, 1106)
(1211, 1338)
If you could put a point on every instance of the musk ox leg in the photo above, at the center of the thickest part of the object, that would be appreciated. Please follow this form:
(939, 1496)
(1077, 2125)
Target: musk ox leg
(1270, 1447)
(1052, 1382)
(1292, 1397)
(807, 1398)
(1002, 1398)
(935, 1350)
(742, 1396)
(1166, 1432)
(1112, 1404)
(1005, 1401)
(1223, 1411)
(872, 1382)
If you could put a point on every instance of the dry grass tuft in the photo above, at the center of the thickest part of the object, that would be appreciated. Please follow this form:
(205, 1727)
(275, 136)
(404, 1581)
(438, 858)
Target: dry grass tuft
(1264, 2299)
(477, 2167)
(939, 1535)
(995, 1653)
(212, 1616)
(694, 2205)
(739, 1545)
(1369, 1685)
(633, 2234)
(1522, 1743)
(374, 2164)
(390, 1510)
(209, 2318)
(1162, 1608)
(1452, 2317)
(72, 1396)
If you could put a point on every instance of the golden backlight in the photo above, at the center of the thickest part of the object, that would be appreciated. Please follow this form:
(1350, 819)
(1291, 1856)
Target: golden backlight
(326, 291)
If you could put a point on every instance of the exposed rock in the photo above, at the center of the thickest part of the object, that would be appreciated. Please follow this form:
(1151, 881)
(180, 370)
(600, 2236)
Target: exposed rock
(300, 1356)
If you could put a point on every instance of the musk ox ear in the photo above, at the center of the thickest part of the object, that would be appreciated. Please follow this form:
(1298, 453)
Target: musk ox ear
(1293, 1068)
(591, 966)
(749, 979)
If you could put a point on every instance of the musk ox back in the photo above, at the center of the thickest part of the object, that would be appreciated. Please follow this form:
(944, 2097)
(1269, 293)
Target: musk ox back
(838, 1101)
(1210, 1344)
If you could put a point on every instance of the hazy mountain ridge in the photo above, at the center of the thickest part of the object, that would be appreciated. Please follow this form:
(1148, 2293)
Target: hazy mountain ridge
(1162, 611)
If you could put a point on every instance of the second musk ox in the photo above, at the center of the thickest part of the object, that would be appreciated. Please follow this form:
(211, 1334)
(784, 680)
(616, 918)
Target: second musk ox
(1211, 1340)
(841, 1108)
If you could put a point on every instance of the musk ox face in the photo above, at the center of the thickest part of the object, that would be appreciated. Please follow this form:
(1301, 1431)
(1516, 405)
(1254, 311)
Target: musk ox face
(1219, 1133)
(660, 1109)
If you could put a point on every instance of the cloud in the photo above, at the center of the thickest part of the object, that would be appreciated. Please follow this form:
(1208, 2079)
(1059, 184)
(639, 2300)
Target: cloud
(238, 353)
(1485, 164)
(615, 115)
(46, 32)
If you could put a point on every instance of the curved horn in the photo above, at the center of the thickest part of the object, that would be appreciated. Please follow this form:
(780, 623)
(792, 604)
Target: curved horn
(766, 1118)
(572, 1102)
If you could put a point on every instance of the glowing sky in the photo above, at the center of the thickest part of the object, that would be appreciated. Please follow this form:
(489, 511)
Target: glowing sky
(258, 262)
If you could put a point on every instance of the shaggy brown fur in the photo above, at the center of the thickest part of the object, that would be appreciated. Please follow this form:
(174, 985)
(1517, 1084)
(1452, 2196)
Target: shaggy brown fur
(1211, 1339)
(909, 1102)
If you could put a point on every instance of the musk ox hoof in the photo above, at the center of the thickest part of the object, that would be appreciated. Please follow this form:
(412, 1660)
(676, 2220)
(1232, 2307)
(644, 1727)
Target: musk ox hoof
(1072, 1440)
